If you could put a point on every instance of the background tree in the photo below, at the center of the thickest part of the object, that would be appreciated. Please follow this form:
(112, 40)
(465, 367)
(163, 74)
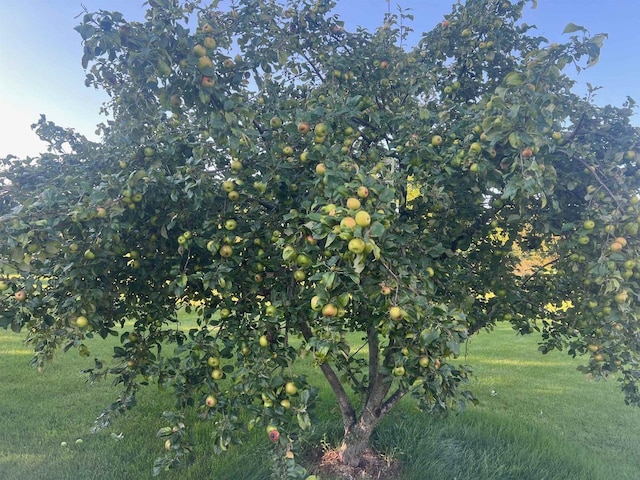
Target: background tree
(289, 182)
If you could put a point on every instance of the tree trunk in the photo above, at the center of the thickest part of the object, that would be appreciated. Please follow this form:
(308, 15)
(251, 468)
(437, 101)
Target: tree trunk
(356, 442)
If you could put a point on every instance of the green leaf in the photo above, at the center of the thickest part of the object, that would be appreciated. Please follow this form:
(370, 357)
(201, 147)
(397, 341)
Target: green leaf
(572, 27)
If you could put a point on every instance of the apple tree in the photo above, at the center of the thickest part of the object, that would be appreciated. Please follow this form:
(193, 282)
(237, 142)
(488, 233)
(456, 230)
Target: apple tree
(295, 186)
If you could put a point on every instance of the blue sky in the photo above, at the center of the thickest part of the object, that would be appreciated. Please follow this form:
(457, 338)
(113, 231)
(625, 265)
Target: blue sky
(40, 71)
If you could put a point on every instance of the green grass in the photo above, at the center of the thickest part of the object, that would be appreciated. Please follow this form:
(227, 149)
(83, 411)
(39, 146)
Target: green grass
(544, 420)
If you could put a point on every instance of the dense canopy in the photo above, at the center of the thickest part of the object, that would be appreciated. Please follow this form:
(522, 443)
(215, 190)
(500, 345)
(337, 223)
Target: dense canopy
(289, 182)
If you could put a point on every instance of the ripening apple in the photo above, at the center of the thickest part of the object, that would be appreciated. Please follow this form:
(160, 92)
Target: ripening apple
(199, 50)
(621, 297)
(233, 195)
(271, 310)
(329, 310)
(211, 401)
(622, 241)
(274, 434)
(424, 361)
(226, 251)
(209, 42)
(285, 403)
(288, 150)
(363, 219)
(615, 247)
(213, 361)
(101, 212)
(398, 371)
(363, 192)
(204, 62)
(208, 82)
(299, 275)
(304, 128)
(228, 63)
(527, 152)
(436, 140)
(3, 285)
(217, 374)
(348, 222)
(589, 224)
(89, 255)
(353, 203)
(356, 245)
(230, 224)
(396, 313)
(321, 169)
(385, 290)
(263, 341)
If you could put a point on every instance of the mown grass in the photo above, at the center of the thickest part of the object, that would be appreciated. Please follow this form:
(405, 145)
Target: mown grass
(539, 419)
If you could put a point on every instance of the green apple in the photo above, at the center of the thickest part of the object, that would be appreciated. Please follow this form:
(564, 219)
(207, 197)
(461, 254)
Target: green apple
(82, 321)
(290, 388)
(321, 130)
(363, 219)
(475, 147)
(356, 245)
(275, 122)
(315, 303)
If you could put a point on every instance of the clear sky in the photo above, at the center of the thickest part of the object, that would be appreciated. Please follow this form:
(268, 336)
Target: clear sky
(40, 71)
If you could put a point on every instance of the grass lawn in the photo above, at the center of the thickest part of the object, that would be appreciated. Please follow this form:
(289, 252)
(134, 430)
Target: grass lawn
(539, 419)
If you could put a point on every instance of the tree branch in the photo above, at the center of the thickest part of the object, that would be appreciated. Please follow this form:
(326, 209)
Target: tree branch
(346, 409)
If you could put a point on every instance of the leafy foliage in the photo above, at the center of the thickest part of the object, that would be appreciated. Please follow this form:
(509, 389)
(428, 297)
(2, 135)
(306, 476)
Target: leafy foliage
(291, 182)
